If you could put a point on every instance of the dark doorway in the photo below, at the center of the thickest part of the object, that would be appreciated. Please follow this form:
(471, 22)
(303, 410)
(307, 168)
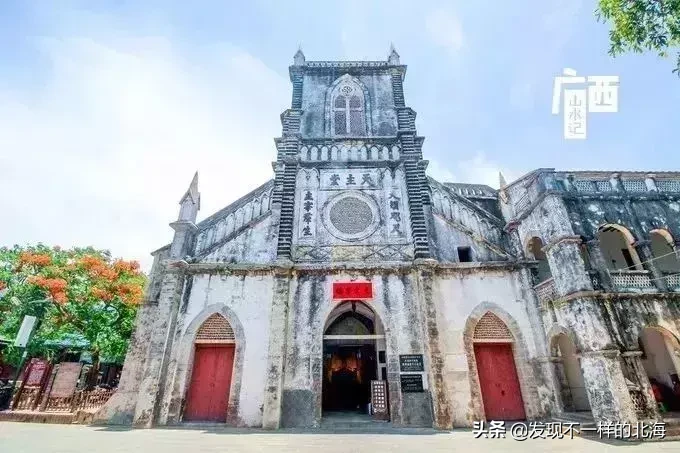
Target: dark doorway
(352, 338)
(348, 371)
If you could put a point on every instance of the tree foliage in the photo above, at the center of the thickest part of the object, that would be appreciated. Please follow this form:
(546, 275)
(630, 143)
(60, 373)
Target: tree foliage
(77, 293)
(642, 25)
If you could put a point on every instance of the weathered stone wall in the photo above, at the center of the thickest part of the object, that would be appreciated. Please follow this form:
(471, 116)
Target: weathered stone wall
(462, 296)
(378, 86)
(382, 189)
(447, 238)
(638, 214)
(245, 300)
(457, 221)
(256, 244)
(397, 305)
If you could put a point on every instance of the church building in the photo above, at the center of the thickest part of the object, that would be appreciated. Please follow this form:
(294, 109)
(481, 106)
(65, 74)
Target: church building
(351, 282)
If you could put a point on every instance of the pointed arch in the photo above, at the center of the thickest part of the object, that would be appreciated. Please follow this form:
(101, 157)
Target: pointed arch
(348, 108)
(520, 352)
(491, 328)
(212, 315)
(215, 329)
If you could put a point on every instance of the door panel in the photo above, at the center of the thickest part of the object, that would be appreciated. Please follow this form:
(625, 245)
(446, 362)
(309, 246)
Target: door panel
(208, 395)
(498, 381)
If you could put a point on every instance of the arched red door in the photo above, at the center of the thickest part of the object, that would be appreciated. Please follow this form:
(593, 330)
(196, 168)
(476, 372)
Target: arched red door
(208, 396)
(208, 393)
(499, 383)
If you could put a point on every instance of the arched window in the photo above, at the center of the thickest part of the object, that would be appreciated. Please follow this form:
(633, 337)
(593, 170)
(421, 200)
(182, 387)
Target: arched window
(616, 243)
(535, 250)
(664, 252)
(348, 111)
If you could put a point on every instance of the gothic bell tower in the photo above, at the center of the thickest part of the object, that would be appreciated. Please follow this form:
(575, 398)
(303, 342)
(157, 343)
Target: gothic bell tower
(350, 180)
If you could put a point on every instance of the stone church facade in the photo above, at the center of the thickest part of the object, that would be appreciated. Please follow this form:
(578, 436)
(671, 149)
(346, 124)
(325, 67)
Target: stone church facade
(556, 294)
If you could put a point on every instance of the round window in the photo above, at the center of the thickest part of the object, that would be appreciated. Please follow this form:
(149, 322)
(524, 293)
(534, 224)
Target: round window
(351, 216)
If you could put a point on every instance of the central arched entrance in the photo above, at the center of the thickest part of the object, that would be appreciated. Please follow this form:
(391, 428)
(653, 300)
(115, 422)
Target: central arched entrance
(353, 356)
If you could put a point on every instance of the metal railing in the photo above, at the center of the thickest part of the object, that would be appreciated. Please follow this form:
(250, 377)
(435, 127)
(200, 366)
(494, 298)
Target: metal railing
(29, 399)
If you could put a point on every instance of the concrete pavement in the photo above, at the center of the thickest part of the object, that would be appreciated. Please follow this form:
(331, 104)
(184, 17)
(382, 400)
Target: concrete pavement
(45, 438)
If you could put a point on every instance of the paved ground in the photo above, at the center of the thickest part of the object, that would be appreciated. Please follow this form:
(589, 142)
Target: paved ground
(45, 438)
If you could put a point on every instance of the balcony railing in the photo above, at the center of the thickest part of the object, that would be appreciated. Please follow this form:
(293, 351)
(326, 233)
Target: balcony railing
(546, 291)
(631, 281)
(673, 281)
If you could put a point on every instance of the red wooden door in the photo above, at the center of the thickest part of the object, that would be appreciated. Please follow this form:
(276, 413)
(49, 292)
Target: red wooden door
(498, 381)
(208, 395)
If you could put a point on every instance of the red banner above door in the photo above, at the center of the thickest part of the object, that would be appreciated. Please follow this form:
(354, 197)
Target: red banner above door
(352, 290)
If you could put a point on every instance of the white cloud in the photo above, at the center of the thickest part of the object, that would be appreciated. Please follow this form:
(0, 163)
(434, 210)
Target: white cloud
(477, 169)
(445, 29)
(101, 153)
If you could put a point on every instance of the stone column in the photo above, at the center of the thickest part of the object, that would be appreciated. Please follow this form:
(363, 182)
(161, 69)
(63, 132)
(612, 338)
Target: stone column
(412, 326)
(615, 181)
(563, 391)
(162, 327)
(599, 263)
(650, 182)
(271, 418)
(567, 266)
(120, 408)
(644, 250)
(633, 361)
(440, 402)
(607, 389)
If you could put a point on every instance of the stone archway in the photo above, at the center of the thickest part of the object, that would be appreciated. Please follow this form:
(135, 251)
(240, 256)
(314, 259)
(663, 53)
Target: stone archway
(185, 353)
(661, 362)
(567, 368)
(210, 383)
(618, 249)
(527, 380)
(354, 354)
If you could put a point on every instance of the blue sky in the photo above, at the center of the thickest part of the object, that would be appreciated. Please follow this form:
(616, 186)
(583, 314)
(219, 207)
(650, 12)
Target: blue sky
(107, 108)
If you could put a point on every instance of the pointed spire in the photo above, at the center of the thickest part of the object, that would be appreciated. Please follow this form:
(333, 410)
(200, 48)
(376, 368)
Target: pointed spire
(394, 56)
(190, 202)
(299, 57)
(192, 191)
(501, 180)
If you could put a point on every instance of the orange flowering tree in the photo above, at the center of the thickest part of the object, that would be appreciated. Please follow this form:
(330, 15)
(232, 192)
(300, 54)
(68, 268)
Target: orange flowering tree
(76, 293)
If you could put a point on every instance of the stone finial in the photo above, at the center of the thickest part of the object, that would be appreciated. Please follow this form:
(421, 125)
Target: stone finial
(190, 202)
(501, 181)
(299, 57)
(394, 56)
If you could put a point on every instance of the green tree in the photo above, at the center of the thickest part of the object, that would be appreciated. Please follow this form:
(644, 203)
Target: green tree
(642, 25)
(76, 293)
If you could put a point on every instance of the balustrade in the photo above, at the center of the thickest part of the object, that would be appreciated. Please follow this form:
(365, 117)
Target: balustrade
(631, 281)
(350, 152)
